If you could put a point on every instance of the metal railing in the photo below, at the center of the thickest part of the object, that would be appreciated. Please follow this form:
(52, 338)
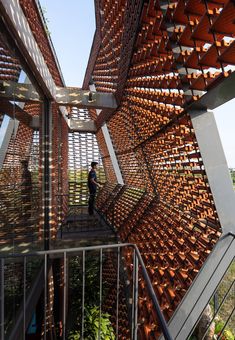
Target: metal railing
(219, 317)
(114, 284)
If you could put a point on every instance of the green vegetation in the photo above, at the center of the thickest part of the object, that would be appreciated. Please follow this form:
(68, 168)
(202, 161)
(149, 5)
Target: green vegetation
(94, 322)
(227, 306)
(226, 335)
(223, 330)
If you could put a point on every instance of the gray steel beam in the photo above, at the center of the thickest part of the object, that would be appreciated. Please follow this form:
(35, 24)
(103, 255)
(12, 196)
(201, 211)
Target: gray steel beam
(15, 19)
(112, 154)
(18, 92)
(31, 303)
(15, 112)
(215, 166)
(216, 96)
(82, 125)
(202, 289)
(8, 127)
(47, 166)
(110, 147)
(74, 96)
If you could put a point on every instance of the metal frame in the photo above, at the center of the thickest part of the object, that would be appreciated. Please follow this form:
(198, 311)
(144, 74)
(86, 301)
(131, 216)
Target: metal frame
(19, 91)
(112, 154)
(138, 263)
(29, 303)
(46, 166)
(6, 131)
(110, 147)
(74, 96)
(82, 125)
(202, 289)
(215, 166)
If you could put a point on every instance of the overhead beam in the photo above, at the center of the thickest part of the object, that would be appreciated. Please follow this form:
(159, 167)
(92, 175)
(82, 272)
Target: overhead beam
(82, 126)
(20, 92)
(216, 167)
(6, 130)
(15, 112)
(74, 96)
(216, 96)
(65, 96)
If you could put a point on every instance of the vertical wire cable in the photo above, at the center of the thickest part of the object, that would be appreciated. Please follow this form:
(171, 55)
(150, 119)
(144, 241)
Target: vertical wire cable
(83, 289)
(118, 276)
(100, 298)
(45, 294)
(2, 299)
(133, 295)
(64, 297)
(13, 166)
(136, 298)
(24, 298)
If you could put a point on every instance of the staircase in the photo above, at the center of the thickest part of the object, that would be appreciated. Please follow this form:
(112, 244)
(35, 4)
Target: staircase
(82, 229)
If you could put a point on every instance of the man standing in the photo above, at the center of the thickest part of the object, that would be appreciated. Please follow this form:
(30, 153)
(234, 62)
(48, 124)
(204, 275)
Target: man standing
(92, 185)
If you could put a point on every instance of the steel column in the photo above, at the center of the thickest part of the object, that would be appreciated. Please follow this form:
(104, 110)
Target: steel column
(215, 166)
(46, 167)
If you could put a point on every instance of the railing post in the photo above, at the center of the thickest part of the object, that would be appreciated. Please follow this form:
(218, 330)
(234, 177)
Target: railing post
(45, 295)
(83, 289)
(216, 302)
(24, 298)
(2, 299)
(136, 296)
(46, 166)
(152, 294)
(100, 297)
(118, 277)
(64, 296)
(137, 262)
(134, 319)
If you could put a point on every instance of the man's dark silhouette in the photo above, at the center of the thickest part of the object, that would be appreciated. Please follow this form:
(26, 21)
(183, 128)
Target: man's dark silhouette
(92, 185)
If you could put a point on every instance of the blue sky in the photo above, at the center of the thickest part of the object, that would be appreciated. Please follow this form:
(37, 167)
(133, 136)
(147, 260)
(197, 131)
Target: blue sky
(72, 23)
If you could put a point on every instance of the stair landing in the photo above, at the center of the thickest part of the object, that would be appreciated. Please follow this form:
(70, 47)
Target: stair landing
(84, 230)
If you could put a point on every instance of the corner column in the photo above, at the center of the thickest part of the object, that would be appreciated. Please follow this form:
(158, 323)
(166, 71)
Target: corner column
(46, 170)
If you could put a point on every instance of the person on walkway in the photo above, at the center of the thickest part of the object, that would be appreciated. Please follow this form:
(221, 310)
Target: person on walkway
(92, 186)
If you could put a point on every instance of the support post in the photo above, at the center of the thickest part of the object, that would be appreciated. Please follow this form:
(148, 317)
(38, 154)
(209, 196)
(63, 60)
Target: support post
(109, 145)
(46, 168)
(215, 166)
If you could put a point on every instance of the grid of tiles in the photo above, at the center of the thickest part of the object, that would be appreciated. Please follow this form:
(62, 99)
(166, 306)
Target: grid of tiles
(83, 149)
(20, 211)
(118, 20)
(183, 49)
(9, 64)
(41, 35)
(107, 162)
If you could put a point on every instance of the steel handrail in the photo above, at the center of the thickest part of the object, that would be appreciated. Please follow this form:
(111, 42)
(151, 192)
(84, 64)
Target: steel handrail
(160, 316)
